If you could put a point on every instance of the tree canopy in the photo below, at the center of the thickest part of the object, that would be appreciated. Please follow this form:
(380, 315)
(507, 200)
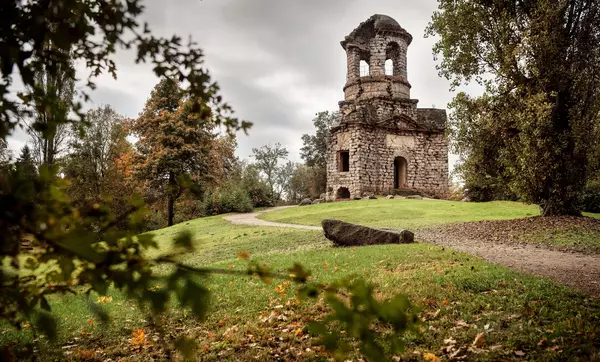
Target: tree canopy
(539, 61)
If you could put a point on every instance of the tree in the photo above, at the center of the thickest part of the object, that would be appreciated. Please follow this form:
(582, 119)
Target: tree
(94, 165)
(268, 163)
(299, 185)
(5, 154)
(479, 140)
(25, 163)
(540, 64)
(173, 142)
(314, 148)
(48, 135)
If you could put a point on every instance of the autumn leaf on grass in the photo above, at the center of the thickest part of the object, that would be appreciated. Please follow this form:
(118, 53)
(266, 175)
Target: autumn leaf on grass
(428, 356)
(139, 338)
(104, 299)
(243, 255)
(479, 340)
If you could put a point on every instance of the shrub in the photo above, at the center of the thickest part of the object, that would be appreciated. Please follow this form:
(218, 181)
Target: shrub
(591, 196)
(227, 199)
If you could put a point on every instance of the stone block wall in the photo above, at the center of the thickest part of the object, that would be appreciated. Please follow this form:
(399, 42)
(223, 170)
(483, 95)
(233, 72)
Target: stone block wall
(372, 153)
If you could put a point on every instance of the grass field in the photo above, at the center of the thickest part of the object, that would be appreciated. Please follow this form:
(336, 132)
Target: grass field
(460, 297)
(402, 213)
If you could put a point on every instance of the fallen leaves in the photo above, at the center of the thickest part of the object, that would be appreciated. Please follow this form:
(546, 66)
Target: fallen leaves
(138, 339)
(243, 255)
(104, 299)
(479, 340)
(428, 356)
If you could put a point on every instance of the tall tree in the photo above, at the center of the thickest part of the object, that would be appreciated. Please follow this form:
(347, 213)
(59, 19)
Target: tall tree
(93, 164)
(314, 147)
(314, 150)
(5, 154)
(539, 61)
(47, 128)
(25, 163)
(173, 142)
(268, 159)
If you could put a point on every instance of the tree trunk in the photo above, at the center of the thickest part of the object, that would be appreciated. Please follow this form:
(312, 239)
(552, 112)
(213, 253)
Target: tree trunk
(562, 188)
(171, 199)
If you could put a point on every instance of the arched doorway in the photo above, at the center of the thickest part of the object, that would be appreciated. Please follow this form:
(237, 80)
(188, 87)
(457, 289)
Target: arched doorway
(400, 167)
(343, 193)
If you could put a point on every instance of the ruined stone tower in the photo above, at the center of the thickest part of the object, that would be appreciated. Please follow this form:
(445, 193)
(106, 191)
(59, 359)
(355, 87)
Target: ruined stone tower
(382, 141)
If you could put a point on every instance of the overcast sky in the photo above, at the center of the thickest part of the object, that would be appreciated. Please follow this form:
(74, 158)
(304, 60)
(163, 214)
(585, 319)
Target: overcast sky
(278, 62)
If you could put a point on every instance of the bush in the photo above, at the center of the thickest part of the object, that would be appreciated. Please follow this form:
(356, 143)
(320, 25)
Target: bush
(225, 200)
(591, 196)
(259, 197)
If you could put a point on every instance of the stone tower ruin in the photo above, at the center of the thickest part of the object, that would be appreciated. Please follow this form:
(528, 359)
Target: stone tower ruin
(382, 142)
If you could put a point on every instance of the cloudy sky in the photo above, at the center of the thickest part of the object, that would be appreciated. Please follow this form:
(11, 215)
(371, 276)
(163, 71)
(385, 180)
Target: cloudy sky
(278, 62)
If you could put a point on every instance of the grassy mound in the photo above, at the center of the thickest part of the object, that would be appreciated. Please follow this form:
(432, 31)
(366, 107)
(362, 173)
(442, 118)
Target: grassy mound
(468, 307)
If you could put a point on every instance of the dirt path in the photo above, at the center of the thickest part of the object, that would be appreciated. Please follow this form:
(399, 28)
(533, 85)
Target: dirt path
(251, 219)
(574, 269)
(577, 270)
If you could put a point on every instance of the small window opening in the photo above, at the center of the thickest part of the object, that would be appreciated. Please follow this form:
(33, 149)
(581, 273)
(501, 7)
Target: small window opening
(364, 69)
(344, 161)
(343, 193)
(389, 67)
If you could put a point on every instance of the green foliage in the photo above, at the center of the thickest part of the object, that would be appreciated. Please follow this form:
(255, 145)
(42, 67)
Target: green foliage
(538, 62)
(25, 163)
(175, 141)
(276, 174)
(591, 196)
(231, 198)
(314, 147)
(314, 151)
(356, 310)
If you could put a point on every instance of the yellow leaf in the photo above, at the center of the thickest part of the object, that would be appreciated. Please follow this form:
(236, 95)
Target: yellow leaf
(139, 338)
(104, 299)
(298, 332)
(427, 356)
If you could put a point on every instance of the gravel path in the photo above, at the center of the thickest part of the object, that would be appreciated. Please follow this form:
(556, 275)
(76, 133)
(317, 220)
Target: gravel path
(574, 269)
(251, 219)
(577, 270)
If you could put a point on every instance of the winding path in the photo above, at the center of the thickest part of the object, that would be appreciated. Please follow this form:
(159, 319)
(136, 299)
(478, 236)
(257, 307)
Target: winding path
(251, 219)
(574, 269)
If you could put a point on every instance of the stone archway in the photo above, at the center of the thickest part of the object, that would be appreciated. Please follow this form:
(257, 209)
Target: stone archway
(400, 173)
(342, 193)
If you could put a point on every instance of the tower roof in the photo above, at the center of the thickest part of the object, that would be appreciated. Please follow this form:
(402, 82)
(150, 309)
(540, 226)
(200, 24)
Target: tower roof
(376, 23)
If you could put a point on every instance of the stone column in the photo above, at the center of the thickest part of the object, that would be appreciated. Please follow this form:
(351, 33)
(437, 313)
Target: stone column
(353, 61)
(377, 49)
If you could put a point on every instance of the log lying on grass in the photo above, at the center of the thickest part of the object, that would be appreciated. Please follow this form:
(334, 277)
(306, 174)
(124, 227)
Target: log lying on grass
(346, 234)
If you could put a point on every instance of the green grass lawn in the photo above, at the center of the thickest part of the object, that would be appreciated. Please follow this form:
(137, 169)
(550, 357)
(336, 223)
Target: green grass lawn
(460, 296)
(402, 213)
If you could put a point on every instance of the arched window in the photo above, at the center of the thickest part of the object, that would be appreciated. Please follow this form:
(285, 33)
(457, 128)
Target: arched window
(393, 53)
(400, 173)
(364, 69)
(389, 67)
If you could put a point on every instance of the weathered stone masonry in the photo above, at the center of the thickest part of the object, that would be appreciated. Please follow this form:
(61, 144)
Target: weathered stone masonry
(382, 141)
